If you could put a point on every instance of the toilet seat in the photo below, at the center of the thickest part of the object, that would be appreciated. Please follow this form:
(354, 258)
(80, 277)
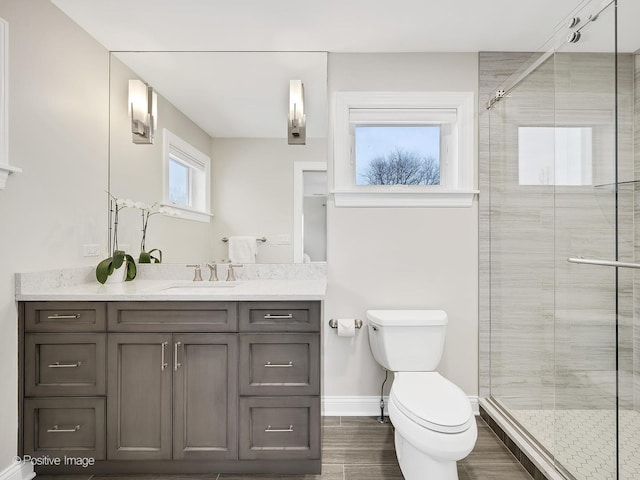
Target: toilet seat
(432, 401)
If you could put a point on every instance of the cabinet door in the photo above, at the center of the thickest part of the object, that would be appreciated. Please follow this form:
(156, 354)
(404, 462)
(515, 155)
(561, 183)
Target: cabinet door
(205, 402)
(139, 396)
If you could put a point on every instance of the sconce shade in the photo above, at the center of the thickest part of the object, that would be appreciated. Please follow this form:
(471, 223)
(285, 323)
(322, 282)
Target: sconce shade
(143, 111)
(297, 122)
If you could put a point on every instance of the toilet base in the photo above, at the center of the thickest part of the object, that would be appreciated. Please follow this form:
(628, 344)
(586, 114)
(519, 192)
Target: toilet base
(416, 465)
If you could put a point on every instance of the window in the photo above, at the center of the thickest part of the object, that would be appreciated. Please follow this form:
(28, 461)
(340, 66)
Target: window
(397, 155)
(554, 156)
(187, 179)
(403, 149)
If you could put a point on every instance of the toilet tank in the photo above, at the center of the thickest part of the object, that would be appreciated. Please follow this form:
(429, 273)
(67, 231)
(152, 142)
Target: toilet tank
(407, 340)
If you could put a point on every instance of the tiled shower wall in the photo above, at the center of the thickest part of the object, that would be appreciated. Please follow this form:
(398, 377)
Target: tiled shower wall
(553, 331)
(636, 286)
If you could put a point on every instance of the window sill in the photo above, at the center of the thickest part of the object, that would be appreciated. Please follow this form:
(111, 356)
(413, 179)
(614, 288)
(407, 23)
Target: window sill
(189, 213)
(437, 198)
(5, 171)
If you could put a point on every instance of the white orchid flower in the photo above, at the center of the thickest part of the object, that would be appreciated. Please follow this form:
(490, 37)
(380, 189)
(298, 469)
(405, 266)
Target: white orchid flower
(141, 206)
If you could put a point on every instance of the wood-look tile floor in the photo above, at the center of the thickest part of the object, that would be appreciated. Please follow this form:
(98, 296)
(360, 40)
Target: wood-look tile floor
(360, 448)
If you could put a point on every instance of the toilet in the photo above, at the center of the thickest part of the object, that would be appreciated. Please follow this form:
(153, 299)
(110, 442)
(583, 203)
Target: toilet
(433, 420)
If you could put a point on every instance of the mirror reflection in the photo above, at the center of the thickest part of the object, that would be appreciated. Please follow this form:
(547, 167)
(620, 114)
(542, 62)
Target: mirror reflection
(220, 155)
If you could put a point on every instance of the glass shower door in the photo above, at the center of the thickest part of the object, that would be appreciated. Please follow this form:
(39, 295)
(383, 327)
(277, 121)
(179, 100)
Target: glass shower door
(592, 221)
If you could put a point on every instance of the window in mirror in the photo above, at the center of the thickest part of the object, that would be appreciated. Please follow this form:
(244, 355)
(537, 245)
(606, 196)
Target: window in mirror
(555, 155)
(179, 183)
(397, 155)
(187, 178)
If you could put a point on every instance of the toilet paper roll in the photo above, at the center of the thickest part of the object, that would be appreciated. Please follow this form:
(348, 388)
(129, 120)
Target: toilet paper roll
(346, 327)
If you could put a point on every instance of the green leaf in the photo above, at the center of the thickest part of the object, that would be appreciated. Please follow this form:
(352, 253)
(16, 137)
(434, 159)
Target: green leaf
(158, 258)
(118, 258)
(144, 257)
(132, 270)
(104, 269)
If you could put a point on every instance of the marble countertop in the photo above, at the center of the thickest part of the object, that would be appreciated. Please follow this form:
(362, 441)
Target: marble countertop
(80, 285)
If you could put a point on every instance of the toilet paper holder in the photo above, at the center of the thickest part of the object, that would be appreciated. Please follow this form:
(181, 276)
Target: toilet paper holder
(333, 323)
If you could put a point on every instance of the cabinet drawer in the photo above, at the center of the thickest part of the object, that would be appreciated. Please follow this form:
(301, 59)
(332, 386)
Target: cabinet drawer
(278, 428)
(65, 364)
(173, 316)
(65, 316)
(280, 316)
(72, 427)
(279, 364)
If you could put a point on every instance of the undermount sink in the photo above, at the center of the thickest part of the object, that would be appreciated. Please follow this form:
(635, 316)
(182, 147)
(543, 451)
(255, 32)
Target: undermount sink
(199, 286)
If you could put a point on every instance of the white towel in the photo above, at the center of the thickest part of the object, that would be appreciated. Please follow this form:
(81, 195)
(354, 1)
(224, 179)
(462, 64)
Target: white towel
(242, 249)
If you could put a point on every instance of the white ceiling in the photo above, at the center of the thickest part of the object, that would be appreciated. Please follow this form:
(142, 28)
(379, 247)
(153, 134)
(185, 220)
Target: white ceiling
(328, 25)
(320, 26)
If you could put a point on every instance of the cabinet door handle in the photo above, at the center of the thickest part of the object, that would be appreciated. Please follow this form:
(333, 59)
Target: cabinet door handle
(278, 365)
(65, 365)
(162, 359)
(176, 364)
(57, 429)
(269, 316)
(269, 429)
(57, 316)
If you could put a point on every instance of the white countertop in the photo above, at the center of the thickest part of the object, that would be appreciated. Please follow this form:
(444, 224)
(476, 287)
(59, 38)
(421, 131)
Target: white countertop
(80, 285)
(166, 290)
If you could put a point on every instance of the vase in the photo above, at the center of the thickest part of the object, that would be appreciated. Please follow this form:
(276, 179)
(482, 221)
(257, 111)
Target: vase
(119, 274)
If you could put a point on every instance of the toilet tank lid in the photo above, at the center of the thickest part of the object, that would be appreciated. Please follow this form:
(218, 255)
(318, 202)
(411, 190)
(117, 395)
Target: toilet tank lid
(407, 318)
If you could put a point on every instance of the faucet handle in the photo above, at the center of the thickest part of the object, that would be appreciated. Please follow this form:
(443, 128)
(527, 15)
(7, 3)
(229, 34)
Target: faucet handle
(197, 274)
(231, 275)
(213, 271)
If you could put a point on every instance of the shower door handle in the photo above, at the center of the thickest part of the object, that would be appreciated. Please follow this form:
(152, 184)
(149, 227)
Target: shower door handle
(604, 263)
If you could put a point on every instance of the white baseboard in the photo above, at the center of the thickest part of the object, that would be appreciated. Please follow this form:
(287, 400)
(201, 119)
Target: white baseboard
(365, 406)
(18, 471)
(352, 406)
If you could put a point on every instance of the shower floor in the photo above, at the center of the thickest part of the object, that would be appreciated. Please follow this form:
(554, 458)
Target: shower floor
(583, 442)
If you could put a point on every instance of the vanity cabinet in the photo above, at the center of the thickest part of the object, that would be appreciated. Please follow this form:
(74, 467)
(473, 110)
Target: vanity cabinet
(172, 387)
(63, 379)
(279, 380)
(172, 395)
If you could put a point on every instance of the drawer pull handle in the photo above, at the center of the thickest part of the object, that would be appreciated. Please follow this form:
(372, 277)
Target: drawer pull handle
(65, 365)
(278, 430)
(164, 364)
(176, 363)
(269, 316)
(57, 429)
(57, 316)
(278, 365)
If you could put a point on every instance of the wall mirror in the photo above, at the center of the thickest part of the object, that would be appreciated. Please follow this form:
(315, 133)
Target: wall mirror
(232, 107)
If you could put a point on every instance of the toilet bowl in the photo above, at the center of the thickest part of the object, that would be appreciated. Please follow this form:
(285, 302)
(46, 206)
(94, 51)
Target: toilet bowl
(434, 425)
(433, 420)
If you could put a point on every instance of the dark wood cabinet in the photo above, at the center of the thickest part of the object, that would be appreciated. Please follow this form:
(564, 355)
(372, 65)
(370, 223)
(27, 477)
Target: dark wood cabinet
(172, 387)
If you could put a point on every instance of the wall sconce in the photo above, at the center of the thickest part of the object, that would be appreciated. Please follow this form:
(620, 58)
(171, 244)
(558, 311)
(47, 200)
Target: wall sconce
(143, 111)
(297, 123)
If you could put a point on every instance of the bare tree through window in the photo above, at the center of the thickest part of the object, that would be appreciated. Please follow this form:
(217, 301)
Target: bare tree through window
(401, 167)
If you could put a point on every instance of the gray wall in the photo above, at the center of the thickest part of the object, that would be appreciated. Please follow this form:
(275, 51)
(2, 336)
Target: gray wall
(401, 257)
(58, 117)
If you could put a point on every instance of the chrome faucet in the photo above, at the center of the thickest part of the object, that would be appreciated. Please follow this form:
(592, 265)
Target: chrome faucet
(213, 272)
(197, 274)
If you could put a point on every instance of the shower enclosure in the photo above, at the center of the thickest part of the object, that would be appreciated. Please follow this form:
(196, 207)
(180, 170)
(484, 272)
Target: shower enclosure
(562, 253)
